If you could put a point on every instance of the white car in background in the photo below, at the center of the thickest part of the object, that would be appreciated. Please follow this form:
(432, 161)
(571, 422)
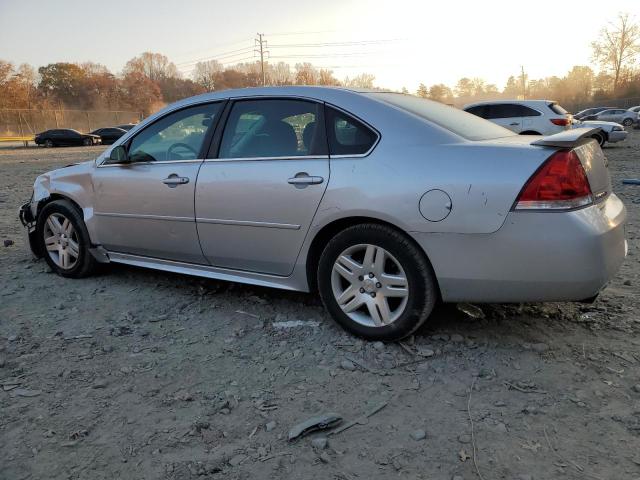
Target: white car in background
(611, 132)
(526, 117)
(541, 117)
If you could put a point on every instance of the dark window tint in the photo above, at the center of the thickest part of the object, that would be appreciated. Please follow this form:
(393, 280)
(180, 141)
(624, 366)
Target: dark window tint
(273, 128)
(509, 110)
(177, 136)
(348, 136)
(555, 108)
(478, 110)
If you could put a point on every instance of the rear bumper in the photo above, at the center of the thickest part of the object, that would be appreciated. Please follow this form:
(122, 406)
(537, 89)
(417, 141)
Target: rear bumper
(617, 136)
(535, 256)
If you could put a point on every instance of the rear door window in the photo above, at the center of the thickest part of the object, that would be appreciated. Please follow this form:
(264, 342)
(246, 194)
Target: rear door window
(273, 128)
(347, 135)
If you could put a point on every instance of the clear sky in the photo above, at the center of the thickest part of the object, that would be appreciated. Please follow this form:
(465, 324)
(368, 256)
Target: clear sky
(401, 42)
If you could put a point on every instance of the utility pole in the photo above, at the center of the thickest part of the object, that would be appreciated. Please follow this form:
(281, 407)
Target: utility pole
(261, 44)
(524, 83)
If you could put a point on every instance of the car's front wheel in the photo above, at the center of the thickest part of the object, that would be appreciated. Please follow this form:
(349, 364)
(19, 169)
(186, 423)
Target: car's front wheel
(627, 122)
(64, 240)
(48, 143)
(376, 282)
(87, 142)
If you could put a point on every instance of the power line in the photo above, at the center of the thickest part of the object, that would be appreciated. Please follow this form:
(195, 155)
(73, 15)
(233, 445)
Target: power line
(333, 44)
(220, 56)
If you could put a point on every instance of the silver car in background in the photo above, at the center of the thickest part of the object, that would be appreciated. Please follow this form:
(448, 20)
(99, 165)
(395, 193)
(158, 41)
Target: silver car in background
(384, 203)
(618, 115)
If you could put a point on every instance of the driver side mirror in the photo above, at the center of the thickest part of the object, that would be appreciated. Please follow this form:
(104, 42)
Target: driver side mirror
(119, 155)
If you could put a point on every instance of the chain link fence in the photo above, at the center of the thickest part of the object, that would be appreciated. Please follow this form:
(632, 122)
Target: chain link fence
(21, 123)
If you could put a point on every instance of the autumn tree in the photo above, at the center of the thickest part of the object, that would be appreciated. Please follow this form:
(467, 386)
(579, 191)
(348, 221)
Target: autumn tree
(62, 82)
(440, 93)
(422, 91)
(154, 66)
(617, 47)
(306, 74)
(325, 77)
(464, 87)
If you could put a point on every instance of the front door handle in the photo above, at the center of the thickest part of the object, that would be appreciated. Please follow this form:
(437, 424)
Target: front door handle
(174, 180)
(514, 124)
(305, 179)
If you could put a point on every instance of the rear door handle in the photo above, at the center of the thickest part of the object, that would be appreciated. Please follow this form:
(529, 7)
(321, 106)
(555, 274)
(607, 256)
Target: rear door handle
(174, 180)
(304, 179)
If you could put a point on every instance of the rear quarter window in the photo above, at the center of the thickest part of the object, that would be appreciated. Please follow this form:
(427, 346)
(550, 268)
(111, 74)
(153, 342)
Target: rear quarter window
(555, 108)
(459, 122)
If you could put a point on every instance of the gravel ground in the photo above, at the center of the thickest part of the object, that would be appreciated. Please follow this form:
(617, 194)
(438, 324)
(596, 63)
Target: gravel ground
(142, 374)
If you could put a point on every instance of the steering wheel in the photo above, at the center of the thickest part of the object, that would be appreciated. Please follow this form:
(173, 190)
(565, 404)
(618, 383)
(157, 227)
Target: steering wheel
(180, 145)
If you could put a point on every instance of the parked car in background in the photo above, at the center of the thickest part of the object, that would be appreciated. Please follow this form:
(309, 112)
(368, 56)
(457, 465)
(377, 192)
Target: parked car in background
(618, 115)
(109, 135)
(65, 137)
(126, 126)
(526, 117)
(609, 131)
(635, 109)
(384, 203)
(589, 112)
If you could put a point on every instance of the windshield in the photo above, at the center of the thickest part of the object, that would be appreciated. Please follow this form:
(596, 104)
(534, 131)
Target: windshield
(457, 121)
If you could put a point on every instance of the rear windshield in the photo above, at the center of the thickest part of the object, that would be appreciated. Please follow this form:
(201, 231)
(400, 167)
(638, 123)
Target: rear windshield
(555, 108)
(457, 121)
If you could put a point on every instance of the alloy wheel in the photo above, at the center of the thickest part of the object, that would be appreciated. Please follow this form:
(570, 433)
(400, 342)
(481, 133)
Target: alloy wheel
(61, 241)
(370, 285)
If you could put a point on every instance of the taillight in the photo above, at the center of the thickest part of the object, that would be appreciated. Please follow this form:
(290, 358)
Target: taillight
(559, 184)
(563, 122)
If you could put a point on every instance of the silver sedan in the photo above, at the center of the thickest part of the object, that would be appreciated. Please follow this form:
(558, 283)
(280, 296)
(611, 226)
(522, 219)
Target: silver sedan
(384, 203)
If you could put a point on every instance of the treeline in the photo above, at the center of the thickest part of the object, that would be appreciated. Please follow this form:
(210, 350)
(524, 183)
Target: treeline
(151, 80)
(580, 86)
(146, 83)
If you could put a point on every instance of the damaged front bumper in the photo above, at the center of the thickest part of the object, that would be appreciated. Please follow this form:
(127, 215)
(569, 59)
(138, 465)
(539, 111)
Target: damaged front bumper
(28, 220)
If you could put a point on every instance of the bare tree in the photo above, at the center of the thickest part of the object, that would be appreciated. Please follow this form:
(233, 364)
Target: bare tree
(207, 74)
(364, 80)
(618, 46)
(279, 74)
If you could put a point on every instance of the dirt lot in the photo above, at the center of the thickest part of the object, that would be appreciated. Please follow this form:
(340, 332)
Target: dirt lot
(141, 374)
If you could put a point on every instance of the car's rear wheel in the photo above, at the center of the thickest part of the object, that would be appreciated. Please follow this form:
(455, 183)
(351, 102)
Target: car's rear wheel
(627, 122)
(600, 138)
(65, 240)
(48, 143)
(376, 282)
(87, 142)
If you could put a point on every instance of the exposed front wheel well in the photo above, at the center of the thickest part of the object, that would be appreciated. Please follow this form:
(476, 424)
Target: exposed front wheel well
(330, 230)
(57, 196)
(530, 132)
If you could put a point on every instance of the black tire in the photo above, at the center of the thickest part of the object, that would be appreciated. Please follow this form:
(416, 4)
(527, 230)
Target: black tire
(48, 143)
(600, 138)
(627, 122)
(423, 290)
(87, 142)
(85, 263)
